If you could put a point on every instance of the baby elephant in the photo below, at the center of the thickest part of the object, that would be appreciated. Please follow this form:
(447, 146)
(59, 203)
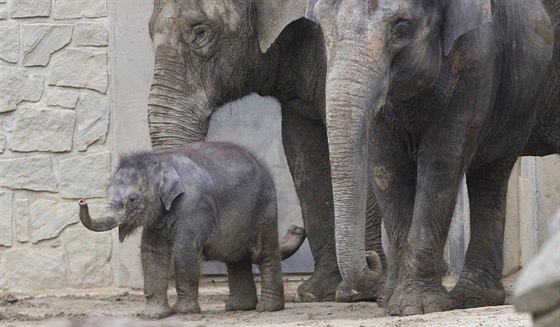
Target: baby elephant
(209, 201)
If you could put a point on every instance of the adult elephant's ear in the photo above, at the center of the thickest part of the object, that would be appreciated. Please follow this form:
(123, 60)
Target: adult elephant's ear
(273, 16)
(170, 185)
(462, 16)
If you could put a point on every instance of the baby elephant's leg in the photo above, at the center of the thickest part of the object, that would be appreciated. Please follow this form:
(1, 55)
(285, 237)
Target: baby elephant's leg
(187, 273)
(242, 290)
(272, 287)
(155, 261)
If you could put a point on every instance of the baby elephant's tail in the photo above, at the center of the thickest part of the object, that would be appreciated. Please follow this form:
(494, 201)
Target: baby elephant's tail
(291, 242)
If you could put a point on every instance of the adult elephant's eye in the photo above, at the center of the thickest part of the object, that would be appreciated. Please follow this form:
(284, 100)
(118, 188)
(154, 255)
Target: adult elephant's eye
(200, 36)
(403, 29)
(132, 199)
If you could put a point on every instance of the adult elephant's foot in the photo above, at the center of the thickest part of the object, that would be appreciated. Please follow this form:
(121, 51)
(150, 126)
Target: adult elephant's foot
(471, 294)
(320, 287)
(156, 311)
(241, 303)
(344, 293)
(388, 288)
(386, 291)
(184, 306)
(270, 303)
(418, 297)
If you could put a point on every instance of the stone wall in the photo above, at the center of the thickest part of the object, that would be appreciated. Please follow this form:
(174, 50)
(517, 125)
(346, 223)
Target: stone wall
(54, 125)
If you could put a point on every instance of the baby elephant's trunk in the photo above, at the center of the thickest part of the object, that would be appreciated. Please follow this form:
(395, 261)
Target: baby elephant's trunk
(96, 225)
(291, 242)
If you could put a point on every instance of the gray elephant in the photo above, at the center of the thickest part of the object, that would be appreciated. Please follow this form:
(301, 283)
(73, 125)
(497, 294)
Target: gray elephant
(205, 200)
(210, 52)
(419, 93)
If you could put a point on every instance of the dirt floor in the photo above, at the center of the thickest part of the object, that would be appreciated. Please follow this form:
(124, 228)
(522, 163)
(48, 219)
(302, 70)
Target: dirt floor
(119, 307)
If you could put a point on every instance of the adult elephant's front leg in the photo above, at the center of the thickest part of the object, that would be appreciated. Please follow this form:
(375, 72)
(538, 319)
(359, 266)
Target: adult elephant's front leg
(393, 177)
(419, 288)
(479, 284)
(374, 218)
(305, 145)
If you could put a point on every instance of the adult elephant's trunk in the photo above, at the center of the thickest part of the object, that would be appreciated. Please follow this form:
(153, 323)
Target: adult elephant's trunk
(96, 225)
(176, 114)
(353, 91)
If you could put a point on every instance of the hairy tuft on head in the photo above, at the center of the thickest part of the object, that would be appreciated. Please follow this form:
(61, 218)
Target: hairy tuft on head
(137, 160)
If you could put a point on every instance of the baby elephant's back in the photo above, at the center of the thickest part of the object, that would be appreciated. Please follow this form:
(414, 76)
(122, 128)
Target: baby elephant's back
(229, 163)
(236, 174)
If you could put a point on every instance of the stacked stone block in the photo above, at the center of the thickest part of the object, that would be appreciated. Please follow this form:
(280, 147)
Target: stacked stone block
(54, 142)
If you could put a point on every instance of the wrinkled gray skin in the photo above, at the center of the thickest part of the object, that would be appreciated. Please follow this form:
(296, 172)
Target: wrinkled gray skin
(204, 201)
(419, 93)
(209, 52)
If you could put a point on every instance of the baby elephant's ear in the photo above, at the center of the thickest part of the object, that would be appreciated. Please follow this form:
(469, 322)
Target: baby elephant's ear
(170, 185)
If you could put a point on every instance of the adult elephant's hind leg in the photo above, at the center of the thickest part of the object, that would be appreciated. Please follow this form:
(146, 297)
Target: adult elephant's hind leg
(479, 284)
(306, 148)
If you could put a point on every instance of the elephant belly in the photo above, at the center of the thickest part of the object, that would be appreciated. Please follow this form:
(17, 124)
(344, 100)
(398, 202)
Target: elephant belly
(230, 246)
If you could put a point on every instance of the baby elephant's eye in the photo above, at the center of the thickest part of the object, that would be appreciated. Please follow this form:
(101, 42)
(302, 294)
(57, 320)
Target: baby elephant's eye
(403, 29)
(132, 199)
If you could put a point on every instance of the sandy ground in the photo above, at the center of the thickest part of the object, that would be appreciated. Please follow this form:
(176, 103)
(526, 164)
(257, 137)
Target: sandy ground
(119, 307)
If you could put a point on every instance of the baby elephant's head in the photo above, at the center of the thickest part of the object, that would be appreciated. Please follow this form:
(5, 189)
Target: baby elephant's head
(143, 187)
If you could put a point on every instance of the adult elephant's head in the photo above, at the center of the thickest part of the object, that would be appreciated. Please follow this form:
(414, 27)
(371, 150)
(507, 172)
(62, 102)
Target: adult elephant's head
(378, 51)
(208, 52)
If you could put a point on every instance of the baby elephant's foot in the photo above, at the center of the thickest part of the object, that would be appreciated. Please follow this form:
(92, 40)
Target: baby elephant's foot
(156, 311)
(186, 307)
(237, 303)
(270, 304)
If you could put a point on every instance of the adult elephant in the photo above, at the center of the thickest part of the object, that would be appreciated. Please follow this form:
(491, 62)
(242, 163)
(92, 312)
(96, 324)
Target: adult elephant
(419, 93)
(208, 53)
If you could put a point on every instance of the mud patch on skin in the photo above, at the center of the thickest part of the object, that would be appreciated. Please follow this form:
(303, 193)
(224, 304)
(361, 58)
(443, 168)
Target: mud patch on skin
(383, 177)
(543, 28)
